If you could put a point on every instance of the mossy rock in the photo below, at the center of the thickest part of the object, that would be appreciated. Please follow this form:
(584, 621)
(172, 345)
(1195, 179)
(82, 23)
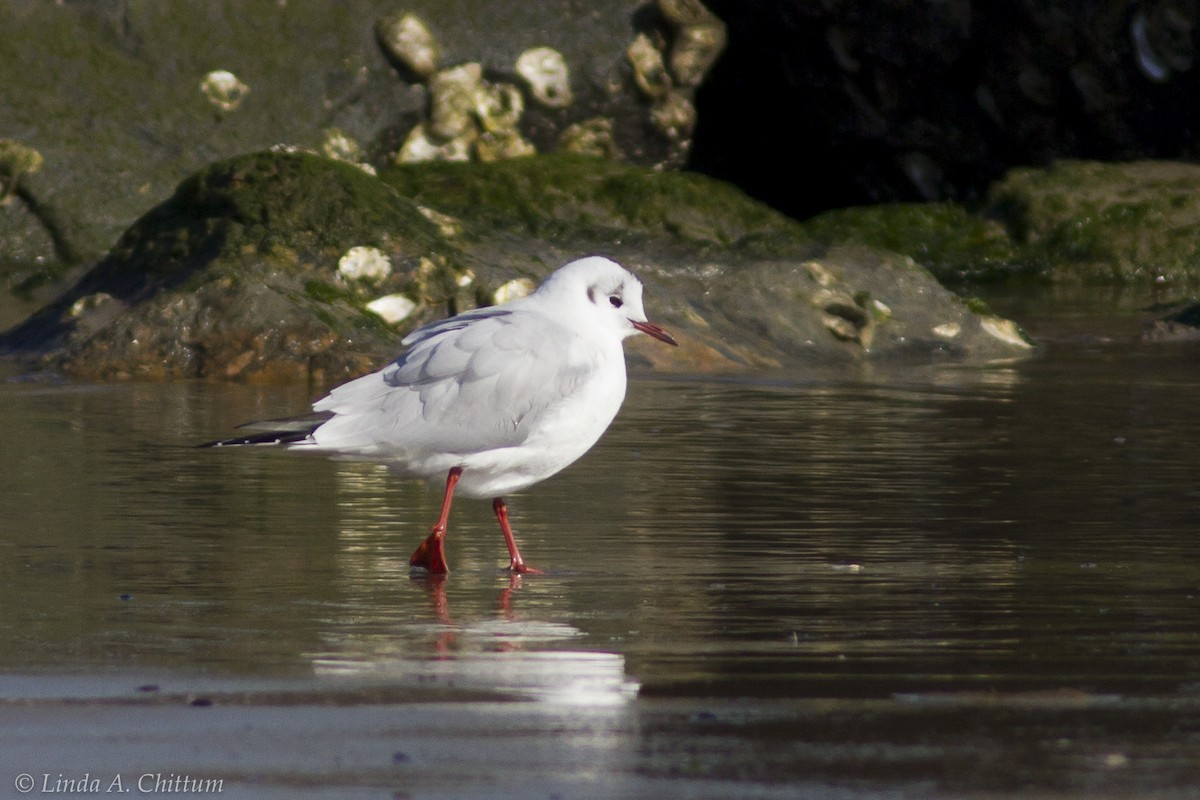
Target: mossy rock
(565, 194)
(295, 206)
(1075, 222)
(240, 267)
(236, 276)
(1096, 223)
(945, 238)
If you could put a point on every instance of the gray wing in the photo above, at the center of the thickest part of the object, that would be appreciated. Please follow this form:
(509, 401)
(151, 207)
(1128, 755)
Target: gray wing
(455, 323)
(470, 383)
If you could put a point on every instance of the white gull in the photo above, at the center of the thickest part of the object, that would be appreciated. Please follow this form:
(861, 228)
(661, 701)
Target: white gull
(493, 400)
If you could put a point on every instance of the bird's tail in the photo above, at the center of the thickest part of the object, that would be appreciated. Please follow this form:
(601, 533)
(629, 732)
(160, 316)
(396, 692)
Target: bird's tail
(289, 430)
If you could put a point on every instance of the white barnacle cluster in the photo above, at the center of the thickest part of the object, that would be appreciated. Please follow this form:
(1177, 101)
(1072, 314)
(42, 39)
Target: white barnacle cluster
(367, 267)
(667, 69)
(469, 116)
(472, 115)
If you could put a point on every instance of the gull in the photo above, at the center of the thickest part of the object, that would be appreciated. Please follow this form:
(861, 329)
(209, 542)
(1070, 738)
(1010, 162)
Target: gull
(495, 399)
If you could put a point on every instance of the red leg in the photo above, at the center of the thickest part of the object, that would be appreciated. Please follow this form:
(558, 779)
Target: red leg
(515, 562)
(431, 555)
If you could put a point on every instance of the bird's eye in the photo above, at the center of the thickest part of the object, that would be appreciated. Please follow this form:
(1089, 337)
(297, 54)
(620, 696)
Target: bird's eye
(616, 301)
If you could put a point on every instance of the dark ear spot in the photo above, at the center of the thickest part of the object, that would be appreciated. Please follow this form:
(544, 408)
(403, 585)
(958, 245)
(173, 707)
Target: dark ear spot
(592, 294)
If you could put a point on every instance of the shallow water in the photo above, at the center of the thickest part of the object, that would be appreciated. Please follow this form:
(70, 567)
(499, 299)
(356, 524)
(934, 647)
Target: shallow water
(931, 582)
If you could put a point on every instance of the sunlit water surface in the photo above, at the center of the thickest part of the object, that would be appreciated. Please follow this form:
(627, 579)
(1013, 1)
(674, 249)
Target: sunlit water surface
(943, 578)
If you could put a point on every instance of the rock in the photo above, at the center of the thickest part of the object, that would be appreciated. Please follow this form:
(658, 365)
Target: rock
(746, 286)
(232, 278)
(962, 91)
(954, 244)
(1082, 223)
(544, 196)
(1086, 222)
(848, 304)
(118, 142)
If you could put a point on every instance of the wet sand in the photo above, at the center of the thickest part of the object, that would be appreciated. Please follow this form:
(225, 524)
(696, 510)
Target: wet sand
(68, 736)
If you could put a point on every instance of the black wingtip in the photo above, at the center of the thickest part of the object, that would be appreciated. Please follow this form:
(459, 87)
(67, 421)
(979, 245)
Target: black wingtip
(288, 430)
(266, 439)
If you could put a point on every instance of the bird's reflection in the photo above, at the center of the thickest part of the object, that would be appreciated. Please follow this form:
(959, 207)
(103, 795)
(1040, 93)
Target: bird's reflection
(435, 590)
(504, 651)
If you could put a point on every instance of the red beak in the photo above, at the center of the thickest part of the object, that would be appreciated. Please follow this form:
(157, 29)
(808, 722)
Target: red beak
(655, 331)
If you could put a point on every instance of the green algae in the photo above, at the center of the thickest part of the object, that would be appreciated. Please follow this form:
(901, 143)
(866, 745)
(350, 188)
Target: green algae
(239, 267)
(567, 194)
(1097, 223)
(293, 206)
(945, 238)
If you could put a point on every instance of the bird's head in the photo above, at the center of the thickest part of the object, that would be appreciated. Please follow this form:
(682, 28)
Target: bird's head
(603, 290)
